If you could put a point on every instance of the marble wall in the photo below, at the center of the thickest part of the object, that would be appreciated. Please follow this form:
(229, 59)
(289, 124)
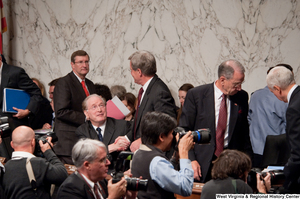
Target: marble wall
(189, 38)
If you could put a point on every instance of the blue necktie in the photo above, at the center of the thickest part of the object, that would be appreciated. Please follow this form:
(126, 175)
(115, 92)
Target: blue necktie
(99, 134)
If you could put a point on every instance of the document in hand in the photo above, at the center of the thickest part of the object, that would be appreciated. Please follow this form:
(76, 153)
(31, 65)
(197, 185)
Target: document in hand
(116, 109)
(14, 98)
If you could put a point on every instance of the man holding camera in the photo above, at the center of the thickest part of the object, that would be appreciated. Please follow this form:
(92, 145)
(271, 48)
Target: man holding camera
(150, 162)
(90, 158)
(19, 180)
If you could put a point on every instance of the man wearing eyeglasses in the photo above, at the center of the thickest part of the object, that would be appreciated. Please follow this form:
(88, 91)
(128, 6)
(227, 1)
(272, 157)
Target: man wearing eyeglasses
(69, 93)
(115, 134)
(88, 182)
(221, 106)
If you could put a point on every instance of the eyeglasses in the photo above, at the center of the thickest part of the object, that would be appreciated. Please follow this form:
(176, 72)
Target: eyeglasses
(82, 62)
(94, 107)
(104, 160)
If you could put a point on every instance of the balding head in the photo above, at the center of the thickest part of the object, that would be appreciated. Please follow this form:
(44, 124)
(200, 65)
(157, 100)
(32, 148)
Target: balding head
(23, 139)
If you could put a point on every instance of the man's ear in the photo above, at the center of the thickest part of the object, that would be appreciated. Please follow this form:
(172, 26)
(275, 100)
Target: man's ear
(161, 137)
(277, 88)
(222, 80)
(12, 144)
(86, 114)
(86, 165)
(140, 72)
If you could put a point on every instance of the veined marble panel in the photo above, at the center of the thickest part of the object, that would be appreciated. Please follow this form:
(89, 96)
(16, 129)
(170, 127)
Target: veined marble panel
(189, 38)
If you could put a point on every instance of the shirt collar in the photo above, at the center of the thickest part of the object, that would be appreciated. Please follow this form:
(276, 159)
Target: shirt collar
(290, 92)
(218, 92)
(79, 79)
(16, 155)
(147, 84)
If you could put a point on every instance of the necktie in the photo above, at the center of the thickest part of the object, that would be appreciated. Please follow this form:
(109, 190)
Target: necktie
(221, 127)
(99, 134)
(96, 192)
(137, 109)
(85, 89)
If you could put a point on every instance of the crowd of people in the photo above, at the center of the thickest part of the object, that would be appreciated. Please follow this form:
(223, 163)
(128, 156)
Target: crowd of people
(92, 141)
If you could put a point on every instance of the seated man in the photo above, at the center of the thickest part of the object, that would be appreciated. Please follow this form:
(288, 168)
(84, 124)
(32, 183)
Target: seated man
(90, 158)
(108, 130)
(47, 171)
(150, 162)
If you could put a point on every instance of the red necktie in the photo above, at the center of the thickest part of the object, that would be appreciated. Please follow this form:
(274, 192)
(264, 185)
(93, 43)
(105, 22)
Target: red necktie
(96, 191)
(221, 127)
(85, 89)
(137, 109)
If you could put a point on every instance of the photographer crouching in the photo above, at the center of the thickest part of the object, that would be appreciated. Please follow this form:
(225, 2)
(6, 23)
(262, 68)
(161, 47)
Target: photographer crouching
(151, 163)
(27, 176)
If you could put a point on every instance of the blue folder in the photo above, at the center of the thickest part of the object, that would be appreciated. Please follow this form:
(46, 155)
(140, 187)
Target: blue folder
(14, 98)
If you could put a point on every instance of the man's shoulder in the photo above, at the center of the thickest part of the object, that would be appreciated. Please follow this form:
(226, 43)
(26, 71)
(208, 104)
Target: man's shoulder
(84, 127)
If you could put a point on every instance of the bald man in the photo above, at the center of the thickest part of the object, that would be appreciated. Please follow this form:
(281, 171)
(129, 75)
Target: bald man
(47, 171)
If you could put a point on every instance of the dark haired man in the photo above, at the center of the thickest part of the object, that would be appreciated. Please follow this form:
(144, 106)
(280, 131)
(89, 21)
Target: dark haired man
(69, 93)
(222, 107)
(154, 94)
(150, 162)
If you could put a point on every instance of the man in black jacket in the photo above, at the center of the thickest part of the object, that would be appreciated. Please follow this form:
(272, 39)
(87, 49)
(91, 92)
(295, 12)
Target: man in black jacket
(46, 171)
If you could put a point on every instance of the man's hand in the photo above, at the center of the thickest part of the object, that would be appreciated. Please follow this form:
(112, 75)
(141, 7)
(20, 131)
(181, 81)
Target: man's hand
(46, 146)
(263, 185)
(120, 144)
(197, 170)
(46, 126)
(21, 113)
(185, 144)
(135, 145)
(0, 139)
(116, 190)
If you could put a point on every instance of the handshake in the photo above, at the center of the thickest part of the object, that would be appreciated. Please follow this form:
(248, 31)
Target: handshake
(120, 144)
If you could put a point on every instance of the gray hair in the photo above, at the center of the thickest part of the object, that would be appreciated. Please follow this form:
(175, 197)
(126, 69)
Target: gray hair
(86, 150)
(281, 77)
(228, 67)
(84, 103)
(145, 61)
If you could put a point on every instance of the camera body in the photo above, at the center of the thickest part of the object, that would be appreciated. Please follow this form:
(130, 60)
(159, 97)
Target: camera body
(42, 137)
(277, 177)
(122, 164)
(5, 130)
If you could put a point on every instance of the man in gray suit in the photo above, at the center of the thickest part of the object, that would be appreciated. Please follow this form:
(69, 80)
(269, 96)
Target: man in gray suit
(69, 93)
(154, 94)
(115, 134)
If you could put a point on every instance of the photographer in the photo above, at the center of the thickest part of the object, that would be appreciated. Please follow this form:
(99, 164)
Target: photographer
(47, 171)
(229, 175)
(150, 162)
(88, 182)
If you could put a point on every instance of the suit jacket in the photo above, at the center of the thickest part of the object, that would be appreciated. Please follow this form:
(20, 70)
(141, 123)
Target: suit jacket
(292, 168)
(157, 97)
(16, 77)
(68, 98)
(199, 112)
(75, 187)
(113, 129)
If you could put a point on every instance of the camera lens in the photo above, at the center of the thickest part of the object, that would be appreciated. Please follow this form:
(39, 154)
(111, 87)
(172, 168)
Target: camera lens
(135, 184)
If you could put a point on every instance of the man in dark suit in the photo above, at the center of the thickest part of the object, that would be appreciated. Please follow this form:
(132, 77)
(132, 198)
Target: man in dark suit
(154, 94)
(282, 84)
(16, 77)
(202, 110)
(115, 134)
(89, 157)
(69, 93)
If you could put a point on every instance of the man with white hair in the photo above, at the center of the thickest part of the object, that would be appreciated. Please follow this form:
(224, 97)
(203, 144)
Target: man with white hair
(90, 158)
(282, 84)
(46, 171)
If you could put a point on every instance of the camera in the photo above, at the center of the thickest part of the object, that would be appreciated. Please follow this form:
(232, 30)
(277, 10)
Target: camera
(200, 136)
(42, 134)
(4, 127)
(277, 177)
(122, 164)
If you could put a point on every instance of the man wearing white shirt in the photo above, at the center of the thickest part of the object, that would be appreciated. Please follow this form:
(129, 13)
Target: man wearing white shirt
(115, 134)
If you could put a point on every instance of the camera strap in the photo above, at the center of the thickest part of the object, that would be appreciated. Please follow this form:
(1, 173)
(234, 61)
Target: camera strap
(31, 177)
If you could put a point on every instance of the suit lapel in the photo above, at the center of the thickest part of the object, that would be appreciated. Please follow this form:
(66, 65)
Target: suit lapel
(77, 84)
(234, 110)
(145, 100)
(109, 131)
(209, 108)
(92, 132)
